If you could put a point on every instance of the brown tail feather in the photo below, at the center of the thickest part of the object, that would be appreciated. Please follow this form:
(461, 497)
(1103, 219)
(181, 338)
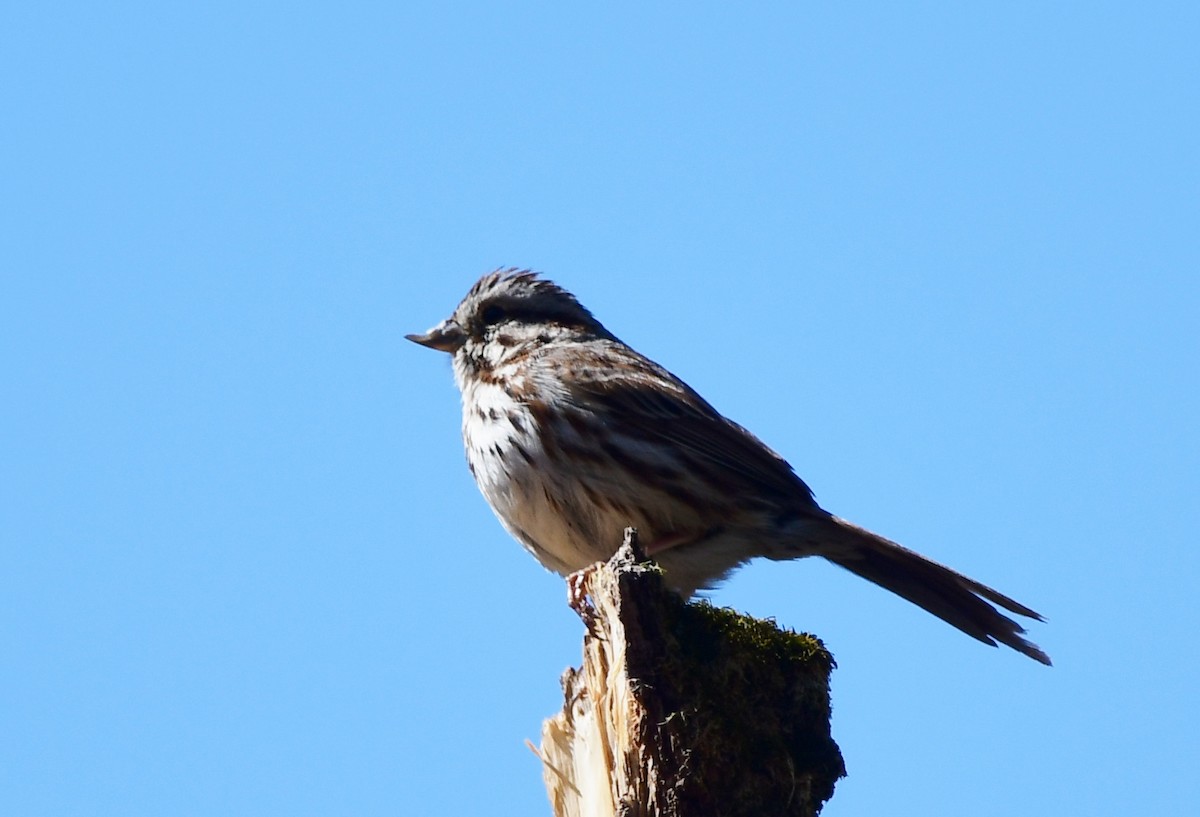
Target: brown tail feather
(949, 595)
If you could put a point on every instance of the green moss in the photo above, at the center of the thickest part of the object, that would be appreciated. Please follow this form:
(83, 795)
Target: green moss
(760, 640)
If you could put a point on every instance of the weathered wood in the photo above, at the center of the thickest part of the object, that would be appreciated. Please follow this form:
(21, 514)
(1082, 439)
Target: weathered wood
(684, 710)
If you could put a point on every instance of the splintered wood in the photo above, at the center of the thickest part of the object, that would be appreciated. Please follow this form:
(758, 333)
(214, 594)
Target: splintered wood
(685, 710)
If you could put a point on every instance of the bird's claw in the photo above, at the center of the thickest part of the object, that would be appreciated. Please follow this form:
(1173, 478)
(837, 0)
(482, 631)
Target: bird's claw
(577, 595)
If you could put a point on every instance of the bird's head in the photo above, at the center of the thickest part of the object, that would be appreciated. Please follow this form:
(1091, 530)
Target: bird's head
(505, 314)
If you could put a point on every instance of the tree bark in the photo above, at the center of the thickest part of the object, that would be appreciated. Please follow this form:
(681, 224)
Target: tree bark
(685, 710)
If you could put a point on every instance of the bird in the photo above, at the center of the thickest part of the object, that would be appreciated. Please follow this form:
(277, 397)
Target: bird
(573, 436)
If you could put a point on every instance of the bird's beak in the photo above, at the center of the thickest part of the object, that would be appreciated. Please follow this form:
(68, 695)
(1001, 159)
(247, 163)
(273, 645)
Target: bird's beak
(447, 336)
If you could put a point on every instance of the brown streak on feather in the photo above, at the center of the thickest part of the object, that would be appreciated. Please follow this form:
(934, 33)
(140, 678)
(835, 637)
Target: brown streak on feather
(580, 453)
(622, 457)
(541, 414)
(591, 494)
(515, 419)
(521, 450)
(579, 424)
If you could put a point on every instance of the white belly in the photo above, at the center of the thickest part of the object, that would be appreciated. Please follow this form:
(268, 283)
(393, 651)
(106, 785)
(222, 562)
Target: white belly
(536, 497)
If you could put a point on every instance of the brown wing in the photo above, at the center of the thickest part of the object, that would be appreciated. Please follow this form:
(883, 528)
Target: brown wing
(643, 400)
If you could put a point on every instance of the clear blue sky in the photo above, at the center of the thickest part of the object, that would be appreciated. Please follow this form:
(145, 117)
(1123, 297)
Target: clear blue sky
(943, 257)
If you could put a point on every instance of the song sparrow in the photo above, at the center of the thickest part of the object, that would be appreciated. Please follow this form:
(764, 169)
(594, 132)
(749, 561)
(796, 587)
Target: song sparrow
(572, 436)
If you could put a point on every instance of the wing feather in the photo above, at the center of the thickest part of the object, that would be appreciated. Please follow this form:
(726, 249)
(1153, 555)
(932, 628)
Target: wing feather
(646, 402)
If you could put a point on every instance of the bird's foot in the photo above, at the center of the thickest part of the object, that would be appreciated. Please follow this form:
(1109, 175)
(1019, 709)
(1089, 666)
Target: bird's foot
(577, 595)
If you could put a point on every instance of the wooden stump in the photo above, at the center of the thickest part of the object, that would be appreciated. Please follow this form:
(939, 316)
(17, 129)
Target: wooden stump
(685, 710)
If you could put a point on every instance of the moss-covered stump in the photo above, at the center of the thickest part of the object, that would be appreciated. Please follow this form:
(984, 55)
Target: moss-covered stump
(685, 710)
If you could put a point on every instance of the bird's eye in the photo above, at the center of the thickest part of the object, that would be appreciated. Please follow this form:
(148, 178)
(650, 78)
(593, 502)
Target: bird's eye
(493, 314)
